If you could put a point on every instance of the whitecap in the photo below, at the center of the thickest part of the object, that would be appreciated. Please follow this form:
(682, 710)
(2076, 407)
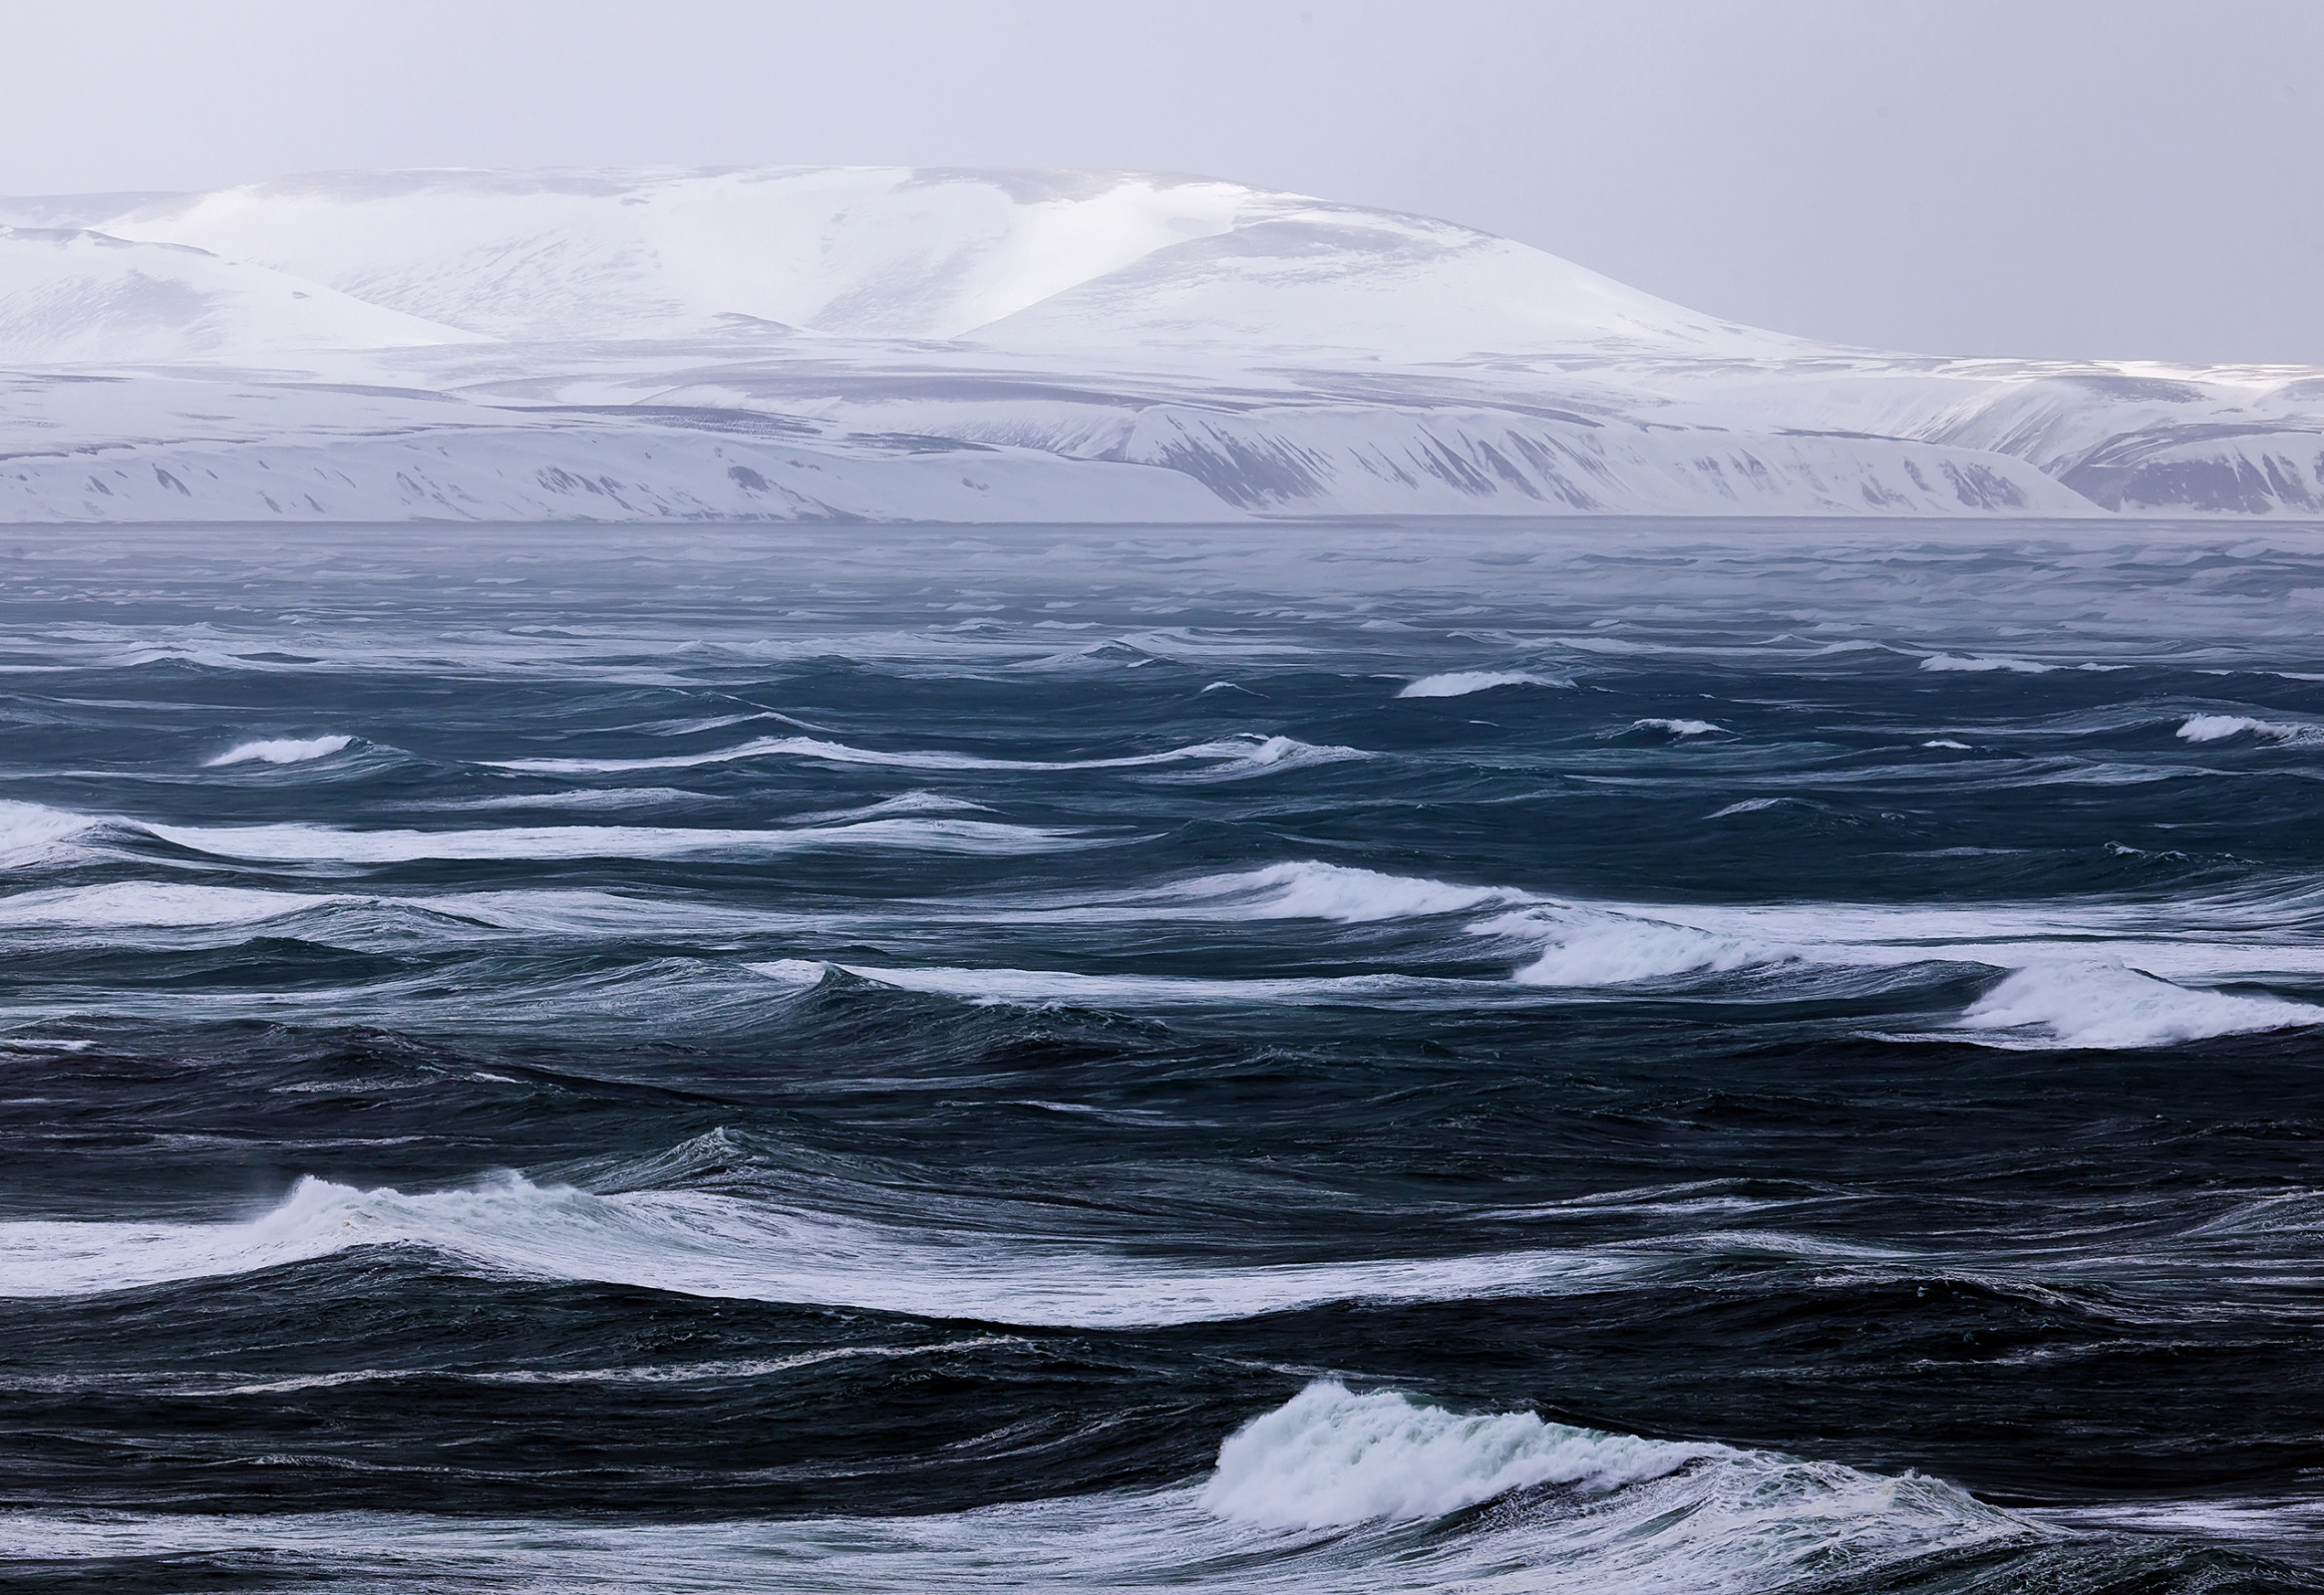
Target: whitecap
(2218, 728)
(147, 904)
(1330, 1458)
(799, 972)
(1249, 749)
(279, 751)
(1980, 662)
(300, 843)
(1680, 728)
(719, 1372)
(1351, 896)
(1242, 758)
(1050, 987)
(1752, 806)
(1723, 1522)
(2109, 1004)
(1594, 947)
(910, 803)
(578, 798)
(1460, 683)
(32, 834)
(720, 1247)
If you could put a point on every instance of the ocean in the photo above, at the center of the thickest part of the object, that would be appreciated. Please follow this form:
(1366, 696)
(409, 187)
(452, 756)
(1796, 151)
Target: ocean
(1567, 1056)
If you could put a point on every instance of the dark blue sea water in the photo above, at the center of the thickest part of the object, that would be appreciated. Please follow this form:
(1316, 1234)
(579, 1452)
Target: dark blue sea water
(1506, 1058)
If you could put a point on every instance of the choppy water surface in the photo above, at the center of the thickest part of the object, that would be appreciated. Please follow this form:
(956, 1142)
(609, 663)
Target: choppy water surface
(1502, 1058)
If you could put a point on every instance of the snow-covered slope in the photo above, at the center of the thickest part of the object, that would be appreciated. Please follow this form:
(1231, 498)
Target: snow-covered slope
(71, 295)
(1071, 260)
(885, 343)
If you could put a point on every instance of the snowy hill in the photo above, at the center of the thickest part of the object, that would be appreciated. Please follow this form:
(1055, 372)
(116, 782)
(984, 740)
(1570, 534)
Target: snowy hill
(882, 343)
(1075, 259)
(71, 295)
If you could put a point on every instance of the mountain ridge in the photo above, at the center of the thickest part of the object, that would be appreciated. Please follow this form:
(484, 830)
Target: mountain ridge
(1131, 345)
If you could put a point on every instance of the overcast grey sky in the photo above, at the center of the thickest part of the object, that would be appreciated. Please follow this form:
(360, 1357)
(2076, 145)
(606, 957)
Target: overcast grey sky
(2105, 178)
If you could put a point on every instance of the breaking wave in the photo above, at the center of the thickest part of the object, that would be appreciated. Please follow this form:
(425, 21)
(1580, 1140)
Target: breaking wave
(2101, 1005)
(1327, 1458)
(1333, 1491)
(1250, 750)
(1349, 896)
(1980, 662)
(280, 750)
(2218, 728)
(32, 834)
(1612, 949)
(151, 905)
(1044, 987)
(1460, 683)
(707, 1244)
(297, 843)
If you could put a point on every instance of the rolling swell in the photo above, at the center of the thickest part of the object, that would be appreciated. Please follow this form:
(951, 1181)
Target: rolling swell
(1305, 1078)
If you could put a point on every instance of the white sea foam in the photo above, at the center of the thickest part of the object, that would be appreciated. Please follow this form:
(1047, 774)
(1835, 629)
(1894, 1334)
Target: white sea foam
(1242, 756)
(1587, 945)
(1980, 662)
(1680, 728)
(297, 843)
(910, 803)
(32, 834)
(1594, 947)
(708, 1244)
(800, 971)
(116, 910)
(2218, 728)
(1351, 896)
(1047, 987)
(1752, 806)
(2108, 1005)
(1947, 742)
(1330, 1458)
(720, 1372)
(1717, 1521)
(1253, 750)
(138, 904)
(579, 798)
(1460, 683)
(279, 751)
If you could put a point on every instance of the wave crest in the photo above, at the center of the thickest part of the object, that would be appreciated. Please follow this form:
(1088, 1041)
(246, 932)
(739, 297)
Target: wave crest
(32, 834)
(1312, 891)
(2112, 1006)
(279, 751)
(1460, 683)
(1249, 750)
(2218, 728)
(1328, 1458)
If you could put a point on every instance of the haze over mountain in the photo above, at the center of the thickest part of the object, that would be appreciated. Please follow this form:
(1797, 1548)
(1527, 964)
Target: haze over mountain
(975, 345)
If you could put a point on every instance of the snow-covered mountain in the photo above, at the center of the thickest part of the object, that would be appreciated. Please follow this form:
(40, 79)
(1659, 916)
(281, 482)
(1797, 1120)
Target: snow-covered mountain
(958, 345)
(72, 296)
